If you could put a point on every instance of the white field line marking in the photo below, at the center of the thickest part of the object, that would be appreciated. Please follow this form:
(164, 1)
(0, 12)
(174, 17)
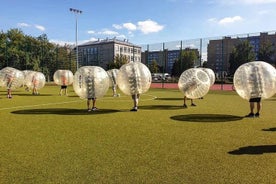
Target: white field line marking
(81, 100)
(37, 105)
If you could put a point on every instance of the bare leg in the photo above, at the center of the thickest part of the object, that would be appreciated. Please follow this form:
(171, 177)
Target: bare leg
(94, 103)
(251, 107)
(259, 106)
(89, 104)
(135, 98)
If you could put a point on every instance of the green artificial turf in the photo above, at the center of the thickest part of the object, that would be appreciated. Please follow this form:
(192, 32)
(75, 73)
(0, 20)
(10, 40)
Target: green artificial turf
(53, 139)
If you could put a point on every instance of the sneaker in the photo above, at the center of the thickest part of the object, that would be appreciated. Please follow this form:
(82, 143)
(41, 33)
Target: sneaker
(134, 109)
(89, 110)
(257, 115)
(193, 104)
(95, 109)
(250, 115)
(185, 106)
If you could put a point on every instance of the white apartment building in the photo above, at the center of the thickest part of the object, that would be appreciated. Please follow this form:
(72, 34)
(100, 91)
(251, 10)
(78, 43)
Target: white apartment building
(102, 52)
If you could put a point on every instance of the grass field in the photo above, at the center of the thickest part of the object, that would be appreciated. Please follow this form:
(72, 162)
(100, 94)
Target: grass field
(53, 139)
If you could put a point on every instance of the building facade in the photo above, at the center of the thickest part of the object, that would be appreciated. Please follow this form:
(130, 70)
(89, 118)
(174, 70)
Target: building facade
(218, 51)
(164, 58)
(102, 52)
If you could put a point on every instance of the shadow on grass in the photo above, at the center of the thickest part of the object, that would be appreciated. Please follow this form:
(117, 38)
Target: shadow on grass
(161, 107)
(254, 150)
(206, 118)
(270, 129)
(63, 111)
(29, 94)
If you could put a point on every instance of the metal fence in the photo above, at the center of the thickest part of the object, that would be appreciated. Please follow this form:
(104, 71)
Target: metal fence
(214, 51)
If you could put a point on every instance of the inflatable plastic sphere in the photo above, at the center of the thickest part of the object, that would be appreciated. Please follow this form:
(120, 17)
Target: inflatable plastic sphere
(112, 76)
(25, 72)
(35, 79)
(194, 83)
(255, 79)
(63, 77)
(211, 75)
(91, 82)
(134, 78)
(11, 78)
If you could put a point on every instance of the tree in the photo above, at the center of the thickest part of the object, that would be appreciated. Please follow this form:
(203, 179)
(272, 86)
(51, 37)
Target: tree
(119, 60)
(242, 53)
(186, 60)
(266, 52)
(34, 53)
(154, 67)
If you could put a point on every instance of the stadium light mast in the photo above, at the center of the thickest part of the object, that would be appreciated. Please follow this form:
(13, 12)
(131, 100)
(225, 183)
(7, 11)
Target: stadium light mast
(76, 12)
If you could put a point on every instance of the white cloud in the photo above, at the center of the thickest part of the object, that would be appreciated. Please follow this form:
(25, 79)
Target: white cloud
(117, 26)
(22, 24)
(130, 26)
(91, 32)
(108, 32)
(149, 26)
(226, 20)
(60, 42)
(39, 27)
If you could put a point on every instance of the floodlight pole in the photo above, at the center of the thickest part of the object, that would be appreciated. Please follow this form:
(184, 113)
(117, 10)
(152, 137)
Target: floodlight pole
(76, 12)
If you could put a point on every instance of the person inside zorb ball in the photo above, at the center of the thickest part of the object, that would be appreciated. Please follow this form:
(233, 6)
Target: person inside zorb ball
(35, 81)
(254, 81)
(134, 79)
(91, 82)
(11, 78)
(63, 78)
(194, 83)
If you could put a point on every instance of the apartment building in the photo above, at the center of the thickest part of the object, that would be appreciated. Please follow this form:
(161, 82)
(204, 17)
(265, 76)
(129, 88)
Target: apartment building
(219, 50)
(102, 52)
(164, 58)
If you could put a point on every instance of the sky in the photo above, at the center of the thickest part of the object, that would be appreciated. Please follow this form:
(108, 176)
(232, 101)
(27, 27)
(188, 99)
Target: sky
(139, 21)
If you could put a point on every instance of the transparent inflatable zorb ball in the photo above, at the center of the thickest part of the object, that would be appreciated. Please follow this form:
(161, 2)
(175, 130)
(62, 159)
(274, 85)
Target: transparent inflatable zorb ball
(11, 78)
(255, 79)
(35, 80)
(63, 77)
(134, 78)
(91, 82)
(194, 83)
(211, 75)
(112, 77)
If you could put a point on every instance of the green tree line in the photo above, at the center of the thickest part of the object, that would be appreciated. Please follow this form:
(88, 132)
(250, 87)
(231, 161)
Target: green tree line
(25, 52)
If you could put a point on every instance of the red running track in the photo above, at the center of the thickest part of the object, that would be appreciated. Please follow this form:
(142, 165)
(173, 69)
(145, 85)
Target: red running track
(226, 87)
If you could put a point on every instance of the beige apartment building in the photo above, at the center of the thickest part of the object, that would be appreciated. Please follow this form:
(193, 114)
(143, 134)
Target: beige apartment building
(102, 52)
(219, 50)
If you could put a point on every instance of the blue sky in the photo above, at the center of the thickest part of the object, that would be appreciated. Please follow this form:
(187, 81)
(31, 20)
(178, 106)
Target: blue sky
(139, 21)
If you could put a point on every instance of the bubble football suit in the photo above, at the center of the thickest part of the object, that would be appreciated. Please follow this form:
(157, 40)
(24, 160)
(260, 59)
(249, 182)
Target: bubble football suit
(134, 78)
(91, 82)
(35, 79)
(11, 78)
(63, 77)
(194, 83)
(112, 76)
(255, 79)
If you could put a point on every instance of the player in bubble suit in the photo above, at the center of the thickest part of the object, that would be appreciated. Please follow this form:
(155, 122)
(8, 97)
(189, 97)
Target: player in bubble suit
(255, 81)
(134, 79)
